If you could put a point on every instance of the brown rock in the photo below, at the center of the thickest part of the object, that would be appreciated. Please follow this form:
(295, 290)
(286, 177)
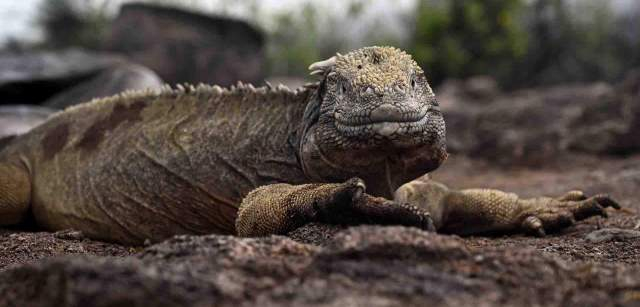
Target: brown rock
(18, 119)
(110, 81)
(183, 46)
(366, 266)
(540, 126)
(32, 77)
(613, 234)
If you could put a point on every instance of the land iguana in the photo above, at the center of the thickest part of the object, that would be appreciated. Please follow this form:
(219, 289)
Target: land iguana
(258, 161)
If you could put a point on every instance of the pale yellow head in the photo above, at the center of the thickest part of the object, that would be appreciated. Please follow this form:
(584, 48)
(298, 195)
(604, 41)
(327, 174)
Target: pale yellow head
(378, 68)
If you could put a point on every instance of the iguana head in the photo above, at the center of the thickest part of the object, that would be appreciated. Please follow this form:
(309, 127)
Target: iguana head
(374, 115)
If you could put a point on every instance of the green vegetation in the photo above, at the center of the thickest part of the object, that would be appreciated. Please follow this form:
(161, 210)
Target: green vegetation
(461, 38)
(586, 42)
(289, 51)
(539, 43)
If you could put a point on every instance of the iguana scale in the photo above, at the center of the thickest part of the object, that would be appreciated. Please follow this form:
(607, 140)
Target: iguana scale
(259, 161)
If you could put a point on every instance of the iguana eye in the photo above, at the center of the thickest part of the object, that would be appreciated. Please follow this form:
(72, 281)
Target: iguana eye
(413, 82)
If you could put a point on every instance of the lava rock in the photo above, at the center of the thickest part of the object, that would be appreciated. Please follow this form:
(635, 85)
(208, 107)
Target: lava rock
(612, 234)
(539, 126)
(183, 46)
(32, 77)
(111, 81)
(18, 119)
(359, 266)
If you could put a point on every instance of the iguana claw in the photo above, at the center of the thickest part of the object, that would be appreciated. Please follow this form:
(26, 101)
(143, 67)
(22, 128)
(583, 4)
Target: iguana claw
(547, 214)
(366, 209)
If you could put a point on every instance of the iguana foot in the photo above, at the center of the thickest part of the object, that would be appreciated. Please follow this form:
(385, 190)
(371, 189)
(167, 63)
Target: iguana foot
(542, 215)
(279, 208)
(366, 209)
(484, 210)
(478, 211)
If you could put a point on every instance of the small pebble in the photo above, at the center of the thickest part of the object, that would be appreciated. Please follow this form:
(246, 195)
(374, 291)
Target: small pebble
(69, 234)
(612, 234)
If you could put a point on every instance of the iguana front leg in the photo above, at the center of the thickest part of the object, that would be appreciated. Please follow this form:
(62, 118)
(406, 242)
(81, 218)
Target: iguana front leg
(475, 211)
(280, 208)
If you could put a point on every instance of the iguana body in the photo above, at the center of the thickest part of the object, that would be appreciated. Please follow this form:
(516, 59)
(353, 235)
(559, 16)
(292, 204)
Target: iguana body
(151, 165)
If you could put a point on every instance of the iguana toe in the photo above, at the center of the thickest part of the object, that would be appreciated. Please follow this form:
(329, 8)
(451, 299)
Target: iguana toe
(592, 206)
(544, 215)
(533, 225)
(378, 210)
(574, 195)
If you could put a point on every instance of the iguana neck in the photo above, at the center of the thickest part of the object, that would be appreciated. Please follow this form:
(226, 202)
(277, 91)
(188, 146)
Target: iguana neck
(258, 131)
(318, 167)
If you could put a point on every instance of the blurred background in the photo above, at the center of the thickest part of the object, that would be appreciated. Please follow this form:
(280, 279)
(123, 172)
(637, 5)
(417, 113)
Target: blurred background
(519, 80)
(518, 42)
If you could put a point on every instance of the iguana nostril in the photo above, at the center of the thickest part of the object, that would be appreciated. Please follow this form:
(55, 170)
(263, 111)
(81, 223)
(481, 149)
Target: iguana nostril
(386, 113)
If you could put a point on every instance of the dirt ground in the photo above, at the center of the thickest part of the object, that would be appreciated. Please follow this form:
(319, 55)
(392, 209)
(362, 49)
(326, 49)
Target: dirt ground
(595, 263)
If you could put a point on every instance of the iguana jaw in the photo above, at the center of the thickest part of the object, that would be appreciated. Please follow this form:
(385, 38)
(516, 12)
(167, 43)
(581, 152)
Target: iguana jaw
(383, 169)
(385, 113)
(398, 130)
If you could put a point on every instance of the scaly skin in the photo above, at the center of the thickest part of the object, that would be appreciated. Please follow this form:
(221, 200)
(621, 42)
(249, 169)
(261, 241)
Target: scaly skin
(259, 161)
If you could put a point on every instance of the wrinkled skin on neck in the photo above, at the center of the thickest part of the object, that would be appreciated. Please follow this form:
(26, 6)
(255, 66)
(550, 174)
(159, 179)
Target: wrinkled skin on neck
(375, 117)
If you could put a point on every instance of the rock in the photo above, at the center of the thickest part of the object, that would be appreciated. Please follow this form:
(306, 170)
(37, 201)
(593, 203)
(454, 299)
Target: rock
(111, 81)
(611, 126)
(31, 246)
(536, 126)
(612, 234)
(370, 242)
(89, 281)
(475, 91)
(64, 78)
(315, 233)
(482, 88)
(184, 46)
(359, 266)
(18, 119)
(69, 234)
(32, 77)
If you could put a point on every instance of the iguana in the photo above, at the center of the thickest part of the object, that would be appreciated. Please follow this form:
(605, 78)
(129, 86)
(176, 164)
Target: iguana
(258, 161)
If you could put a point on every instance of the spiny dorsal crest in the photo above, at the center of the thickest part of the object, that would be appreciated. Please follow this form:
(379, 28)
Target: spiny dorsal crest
(200, 90)
(377, 67)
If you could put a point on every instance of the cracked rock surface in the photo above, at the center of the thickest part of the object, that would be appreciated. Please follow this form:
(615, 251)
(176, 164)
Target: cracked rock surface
(365, 266)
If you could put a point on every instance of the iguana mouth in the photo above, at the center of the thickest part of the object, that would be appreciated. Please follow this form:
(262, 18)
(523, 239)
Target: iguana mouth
(384, 128)
(364, 122)
(384, 114)
(386, 124)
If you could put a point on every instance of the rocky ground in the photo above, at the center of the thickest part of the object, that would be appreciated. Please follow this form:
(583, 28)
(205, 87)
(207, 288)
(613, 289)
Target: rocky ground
(596, 263)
